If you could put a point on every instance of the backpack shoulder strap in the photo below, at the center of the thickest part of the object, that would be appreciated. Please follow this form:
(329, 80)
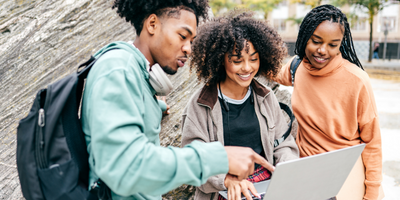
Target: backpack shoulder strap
(83, 71)
(84, 68)
(293, 67)
(287, 133)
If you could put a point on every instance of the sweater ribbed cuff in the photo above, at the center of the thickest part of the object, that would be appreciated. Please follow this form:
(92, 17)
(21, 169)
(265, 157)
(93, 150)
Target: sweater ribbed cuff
(214, 159)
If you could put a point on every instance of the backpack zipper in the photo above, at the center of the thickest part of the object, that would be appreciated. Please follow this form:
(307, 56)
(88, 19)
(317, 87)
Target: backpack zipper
(40, 140)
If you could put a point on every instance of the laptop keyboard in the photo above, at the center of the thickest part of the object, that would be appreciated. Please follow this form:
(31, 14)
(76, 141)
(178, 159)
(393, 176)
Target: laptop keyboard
(254, 197)
(262, 196)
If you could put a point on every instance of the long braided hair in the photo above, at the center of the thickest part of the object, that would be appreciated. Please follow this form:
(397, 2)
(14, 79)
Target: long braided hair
(317, 16)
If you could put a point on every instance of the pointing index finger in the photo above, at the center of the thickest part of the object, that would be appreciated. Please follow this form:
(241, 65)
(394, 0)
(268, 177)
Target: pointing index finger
(260, 160)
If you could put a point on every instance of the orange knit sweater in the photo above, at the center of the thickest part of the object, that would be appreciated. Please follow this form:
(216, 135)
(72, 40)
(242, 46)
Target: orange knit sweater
(335, 108)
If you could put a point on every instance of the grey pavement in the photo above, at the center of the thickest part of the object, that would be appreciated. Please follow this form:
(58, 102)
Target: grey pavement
(387, 96)
(392, 65)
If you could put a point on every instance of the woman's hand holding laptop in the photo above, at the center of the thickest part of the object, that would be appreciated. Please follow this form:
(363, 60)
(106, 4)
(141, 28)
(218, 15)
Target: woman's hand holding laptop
(236, 187)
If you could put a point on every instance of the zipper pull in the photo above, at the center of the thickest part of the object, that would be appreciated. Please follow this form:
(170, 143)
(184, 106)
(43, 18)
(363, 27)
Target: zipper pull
(41, 124)
(41, 118)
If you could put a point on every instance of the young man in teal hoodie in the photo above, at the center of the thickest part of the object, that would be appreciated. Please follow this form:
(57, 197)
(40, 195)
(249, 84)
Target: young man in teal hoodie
(121, 116)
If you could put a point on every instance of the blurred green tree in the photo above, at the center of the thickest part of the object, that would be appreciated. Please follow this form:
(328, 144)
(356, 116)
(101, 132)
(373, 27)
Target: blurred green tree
(266, 6)
(372, 7)
(312, 3)
(218, 5)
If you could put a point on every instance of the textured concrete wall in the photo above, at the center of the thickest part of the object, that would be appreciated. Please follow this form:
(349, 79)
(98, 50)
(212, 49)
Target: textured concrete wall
(42, 41)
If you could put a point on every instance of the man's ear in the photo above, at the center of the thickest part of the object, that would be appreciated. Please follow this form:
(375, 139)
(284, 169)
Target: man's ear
(151, 24)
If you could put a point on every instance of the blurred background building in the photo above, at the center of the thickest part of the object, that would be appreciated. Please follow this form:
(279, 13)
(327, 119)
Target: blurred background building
(286, 16)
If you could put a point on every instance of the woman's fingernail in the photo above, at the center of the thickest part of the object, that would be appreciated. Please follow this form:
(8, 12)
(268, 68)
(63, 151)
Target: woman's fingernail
(259, 196)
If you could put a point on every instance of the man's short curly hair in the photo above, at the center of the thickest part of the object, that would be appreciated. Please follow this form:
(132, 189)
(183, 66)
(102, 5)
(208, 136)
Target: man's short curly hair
(136, 11)
(219, 36)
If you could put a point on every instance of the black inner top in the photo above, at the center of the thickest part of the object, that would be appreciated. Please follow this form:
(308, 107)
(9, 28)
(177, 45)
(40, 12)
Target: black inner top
(241, 126)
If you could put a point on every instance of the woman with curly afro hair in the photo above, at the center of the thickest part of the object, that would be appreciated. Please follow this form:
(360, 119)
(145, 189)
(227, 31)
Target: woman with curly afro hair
(234, 108)
(121, 117)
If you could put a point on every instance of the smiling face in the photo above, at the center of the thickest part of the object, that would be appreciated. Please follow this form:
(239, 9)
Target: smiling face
(172, 41)
(324, 44)
(240, 71)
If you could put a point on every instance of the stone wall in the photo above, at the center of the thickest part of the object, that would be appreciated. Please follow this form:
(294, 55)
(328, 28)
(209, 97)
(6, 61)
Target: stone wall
(42, 41)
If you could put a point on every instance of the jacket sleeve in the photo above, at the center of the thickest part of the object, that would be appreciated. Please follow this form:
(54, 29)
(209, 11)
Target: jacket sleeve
(125, 159)
(194, 128)
(284, 76)
(368, 123)
(287, 150)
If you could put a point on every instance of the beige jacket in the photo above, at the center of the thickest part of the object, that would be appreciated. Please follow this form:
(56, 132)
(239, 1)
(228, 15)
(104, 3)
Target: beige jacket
(202, 121)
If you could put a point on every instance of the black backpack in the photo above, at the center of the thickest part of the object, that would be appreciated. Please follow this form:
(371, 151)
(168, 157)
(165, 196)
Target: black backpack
(293, 67)
(52, 158)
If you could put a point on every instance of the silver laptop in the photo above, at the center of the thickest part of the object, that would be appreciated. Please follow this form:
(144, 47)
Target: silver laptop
(317, 177)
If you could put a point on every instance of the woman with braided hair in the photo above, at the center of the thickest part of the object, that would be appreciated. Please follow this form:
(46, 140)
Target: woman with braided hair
(333, 99)
(234, 108)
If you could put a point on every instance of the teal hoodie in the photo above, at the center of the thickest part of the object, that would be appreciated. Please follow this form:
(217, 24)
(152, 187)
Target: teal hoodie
(121, 120)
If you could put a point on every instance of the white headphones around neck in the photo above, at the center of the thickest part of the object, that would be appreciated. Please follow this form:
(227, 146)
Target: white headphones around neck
(159, 80)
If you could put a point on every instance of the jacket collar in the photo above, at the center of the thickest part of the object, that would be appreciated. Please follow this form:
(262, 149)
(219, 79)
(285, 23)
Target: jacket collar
(209, 94)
